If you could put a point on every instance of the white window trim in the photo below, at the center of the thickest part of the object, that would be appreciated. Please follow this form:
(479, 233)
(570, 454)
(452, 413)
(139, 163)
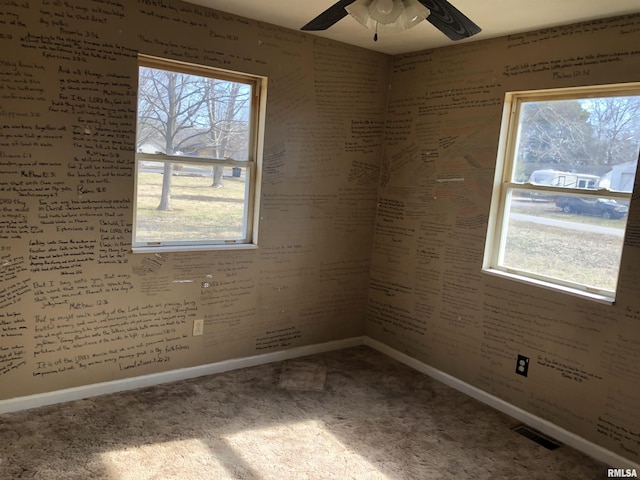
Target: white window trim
(503, 186)
(253, 164)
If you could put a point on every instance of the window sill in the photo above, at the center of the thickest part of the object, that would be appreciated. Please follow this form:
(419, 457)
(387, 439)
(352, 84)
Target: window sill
(604, 299)
(193, 248)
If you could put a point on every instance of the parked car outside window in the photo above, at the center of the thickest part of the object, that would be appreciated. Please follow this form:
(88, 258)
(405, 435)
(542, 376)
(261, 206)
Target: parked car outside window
(602, 207)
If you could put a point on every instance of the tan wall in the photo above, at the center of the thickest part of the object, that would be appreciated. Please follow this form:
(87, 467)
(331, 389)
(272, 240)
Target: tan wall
(428, 297)
(76, 307)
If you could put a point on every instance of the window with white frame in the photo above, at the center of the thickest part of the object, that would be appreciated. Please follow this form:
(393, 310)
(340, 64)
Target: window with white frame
(197, 156)
(564, 178)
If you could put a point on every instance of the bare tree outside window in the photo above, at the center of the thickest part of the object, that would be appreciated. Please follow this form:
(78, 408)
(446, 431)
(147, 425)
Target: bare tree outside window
(185, 114)
(580, 135)
(616, 128)
(227, 109)
(170, 103)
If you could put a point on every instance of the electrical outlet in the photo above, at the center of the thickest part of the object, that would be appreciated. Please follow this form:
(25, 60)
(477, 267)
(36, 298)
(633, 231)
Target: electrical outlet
(198, 327)
(522, 365)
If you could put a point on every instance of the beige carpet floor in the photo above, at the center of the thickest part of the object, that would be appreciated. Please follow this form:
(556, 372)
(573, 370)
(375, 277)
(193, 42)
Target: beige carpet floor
(348, 414)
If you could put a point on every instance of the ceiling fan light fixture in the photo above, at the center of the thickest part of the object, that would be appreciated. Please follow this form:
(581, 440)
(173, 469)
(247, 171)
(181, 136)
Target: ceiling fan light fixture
(360, 11)
(388, 15)
(384, 7)
(385, 11)
(414, 13)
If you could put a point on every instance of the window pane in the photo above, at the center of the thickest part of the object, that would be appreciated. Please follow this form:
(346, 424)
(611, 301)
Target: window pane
(574, 238)
(182, 114)
(195, 210)
(579, 143)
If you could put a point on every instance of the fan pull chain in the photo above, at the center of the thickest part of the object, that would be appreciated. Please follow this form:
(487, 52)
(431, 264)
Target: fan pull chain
(375, 35)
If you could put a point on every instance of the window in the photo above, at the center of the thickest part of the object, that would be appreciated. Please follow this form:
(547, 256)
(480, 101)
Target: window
(565, 172)
(197, 157)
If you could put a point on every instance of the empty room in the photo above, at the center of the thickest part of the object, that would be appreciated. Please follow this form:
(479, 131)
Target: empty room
(365, 239)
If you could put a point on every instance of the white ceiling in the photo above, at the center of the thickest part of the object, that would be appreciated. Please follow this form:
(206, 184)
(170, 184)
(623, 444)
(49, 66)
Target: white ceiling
(495, 17)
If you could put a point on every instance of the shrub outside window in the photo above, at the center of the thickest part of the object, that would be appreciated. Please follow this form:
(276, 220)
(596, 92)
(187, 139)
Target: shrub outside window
(197, 156)
(564, 178)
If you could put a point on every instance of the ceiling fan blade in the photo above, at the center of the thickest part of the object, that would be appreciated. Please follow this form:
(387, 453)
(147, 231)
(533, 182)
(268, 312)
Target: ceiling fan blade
(449, 20)
(329, 17)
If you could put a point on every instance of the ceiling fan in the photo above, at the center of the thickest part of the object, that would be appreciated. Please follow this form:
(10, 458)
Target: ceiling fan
(396, 15)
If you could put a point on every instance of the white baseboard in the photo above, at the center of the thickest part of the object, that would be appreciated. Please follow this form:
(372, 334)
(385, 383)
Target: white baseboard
(548, 428)
(93, 390)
